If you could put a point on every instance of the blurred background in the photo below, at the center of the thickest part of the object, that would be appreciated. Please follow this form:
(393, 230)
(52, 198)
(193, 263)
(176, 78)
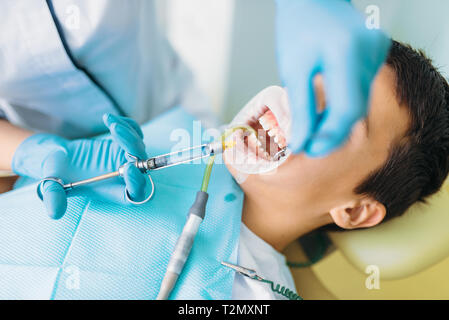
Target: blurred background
(229, 46)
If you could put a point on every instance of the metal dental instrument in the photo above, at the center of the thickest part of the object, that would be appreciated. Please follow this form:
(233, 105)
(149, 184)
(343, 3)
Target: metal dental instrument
(280, 154)
(162, 161)
(242, 270)
(154, 163)
(282, 290)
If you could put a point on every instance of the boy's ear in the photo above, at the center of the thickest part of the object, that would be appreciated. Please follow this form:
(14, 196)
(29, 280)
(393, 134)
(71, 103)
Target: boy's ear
(363, 213)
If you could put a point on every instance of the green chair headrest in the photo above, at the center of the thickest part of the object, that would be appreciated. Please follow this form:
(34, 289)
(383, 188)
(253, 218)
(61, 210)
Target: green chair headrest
(405, 245)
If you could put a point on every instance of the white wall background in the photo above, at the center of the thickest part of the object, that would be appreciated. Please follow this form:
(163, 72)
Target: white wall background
(422, 23)
(229, 44)
(200, 31)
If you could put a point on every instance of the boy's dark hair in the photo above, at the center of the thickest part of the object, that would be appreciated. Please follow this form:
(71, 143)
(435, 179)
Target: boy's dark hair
(418, 164)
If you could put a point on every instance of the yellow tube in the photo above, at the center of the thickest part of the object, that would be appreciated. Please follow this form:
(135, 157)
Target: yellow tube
(226, 145)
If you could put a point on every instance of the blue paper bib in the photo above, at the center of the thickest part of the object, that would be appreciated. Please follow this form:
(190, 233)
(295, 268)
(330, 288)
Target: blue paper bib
(102, 250)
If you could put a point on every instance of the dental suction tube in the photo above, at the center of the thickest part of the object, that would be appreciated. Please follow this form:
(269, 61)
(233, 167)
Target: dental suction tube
(183, 245)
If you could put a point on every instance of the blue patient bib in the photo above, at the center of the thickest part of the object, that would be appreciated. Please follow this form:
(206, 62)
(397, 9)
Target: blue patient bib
(100, 250)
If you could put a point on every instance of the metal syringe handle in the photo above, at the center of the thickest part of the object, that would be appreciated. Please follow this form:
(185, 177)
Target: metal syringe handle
(118, 173)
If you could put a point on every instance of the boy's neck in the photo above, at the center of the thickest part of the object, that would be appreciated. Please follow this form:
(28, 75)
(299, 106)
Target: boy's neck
(278, 224)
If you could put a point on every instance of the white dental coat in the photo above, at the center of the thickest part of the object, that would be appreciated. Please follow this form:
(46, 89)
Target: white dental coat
(63, 67)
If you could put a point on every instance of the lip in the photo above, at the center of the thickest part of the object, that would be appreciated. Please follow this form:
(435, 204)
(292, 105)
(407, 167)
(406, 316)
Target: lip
(244, 157)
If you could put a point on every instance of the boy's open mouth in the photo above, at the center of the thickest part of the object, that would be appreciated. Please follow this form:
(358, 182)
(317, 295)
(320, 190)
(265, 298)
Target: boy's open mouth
(267, 113)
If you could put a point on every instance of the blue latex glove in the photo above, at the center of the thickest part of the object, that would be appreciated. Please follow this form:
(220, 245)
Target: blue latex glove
(328, 37)
(46, 155)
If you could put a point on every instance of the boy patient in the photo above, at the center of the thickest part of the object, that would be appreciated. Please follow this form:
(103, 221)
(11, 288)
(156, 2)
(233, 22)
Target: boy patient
(395, 156)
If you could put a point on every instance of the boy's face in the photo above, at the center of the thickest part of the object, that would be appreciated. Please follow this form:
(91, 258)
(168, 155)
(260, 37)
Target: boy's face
(328, 183)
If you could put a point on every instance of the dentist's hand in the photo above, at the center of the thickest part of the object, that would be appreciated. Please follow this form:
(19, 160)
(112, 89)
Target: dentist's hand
(46, 155)
(327, 37)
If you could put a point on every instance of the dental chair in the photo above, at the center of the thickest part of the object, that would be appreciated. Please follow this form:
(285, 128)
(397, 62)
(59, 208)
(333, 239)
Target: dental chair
(405, 258)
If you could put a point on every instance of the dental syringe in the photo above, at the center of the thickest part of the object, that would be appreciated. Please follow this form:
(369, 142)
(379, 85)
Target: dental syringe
(165, 160)
(159, 162)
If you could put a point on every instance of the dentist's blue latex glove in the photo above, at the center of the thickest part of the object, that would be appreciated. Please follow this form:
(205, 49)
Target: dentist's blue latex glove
(47, 155)
(327, 37)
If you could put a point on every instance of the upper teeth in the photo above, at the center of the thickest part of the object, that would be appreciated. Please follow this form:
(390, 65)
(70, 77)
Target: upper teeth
(272, 131)
(266, 125)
